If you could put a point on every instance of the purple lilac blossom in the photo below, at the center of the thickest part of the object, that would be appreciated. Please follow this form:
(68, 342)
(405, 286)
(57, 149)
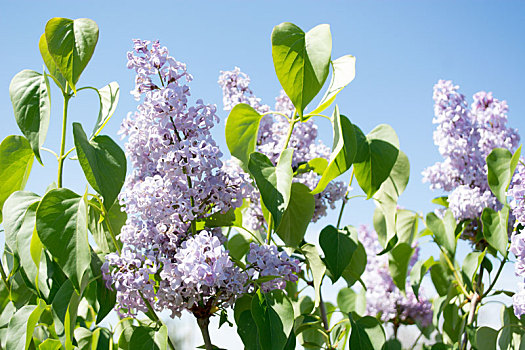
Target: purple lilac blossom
(266, 260)
(176, 179)
(517, 247)
(383, 298)
(465, 136)
(272, 135)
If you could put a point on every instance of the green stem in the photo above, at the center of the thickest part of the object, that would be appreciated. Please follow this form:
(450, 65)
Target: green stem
(269, 234)
(345, 200)
(322, 310)
(203, 325)
(110, 229)
(495, 278)
(4, 276)
(61, 157)
(286, 142)
(458, 280)
(415, 342)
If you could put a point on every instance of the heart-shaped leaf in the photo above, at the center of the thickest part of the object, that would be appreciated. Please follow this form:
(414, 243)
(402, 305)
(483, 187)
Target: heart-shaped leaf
(54, 72)
(495, 224)
(71, 44)
(242, 127)
(376, 155)
(338, 249)
(501, 165)
(108, 97)
(301, 61)
(103, 163)
(29, 92)
(61, 223)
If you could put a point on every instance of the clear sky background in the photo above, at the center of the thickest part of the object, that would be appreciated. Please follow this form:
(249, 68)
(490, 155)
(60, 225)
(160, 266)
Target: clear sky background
(402, 49)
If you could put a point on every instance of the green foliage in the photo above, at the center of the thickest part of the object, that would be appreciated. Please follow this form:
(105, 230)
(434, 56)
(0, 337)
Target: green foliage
(61, 223)
(301, 61)
(338, 250)
(242, 127)
(343, 150)
(146, 338)
(16, 161)
(399, 259)
(443, 230)
(376, 155)
(274, 316)
(297, 215)
(103, 163)
(501, 165)
(22, 325)
(495, 224)
(367, 334)
(29, 92)
(274, 182)
(71, 44)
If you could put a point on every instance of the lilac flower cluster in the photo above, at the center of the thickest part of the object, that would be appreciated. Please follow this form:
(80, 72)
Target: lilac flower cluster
(517, 247)
(177, 178)
(272, 135)
(266, 260)
(465, 137)
(383, 298)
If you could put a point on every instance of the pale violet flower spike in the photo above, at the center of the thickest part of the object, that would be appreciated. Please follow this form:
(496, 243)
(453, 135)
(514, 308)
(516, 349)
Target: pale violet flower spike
(272, 135)
(176, 178)
(383, 298)
(465, 136)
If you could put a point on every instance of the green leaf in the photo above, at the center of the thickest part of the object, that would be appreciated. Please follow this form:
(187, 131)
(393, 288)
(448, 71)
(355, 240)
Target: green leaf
(357, 264)
(297, 215)
(29, 92)
(495, 224)
(443, 230)
(338, 249)
(274, 317)
(441, 277)
(443, 201)
(22, 325)
(343, 72)
(274, 182)
(386, 201)
(50, 64)
(376, 155)
(419, 270)
(317, 267)
(50, 344)
(238, 246)
(71, 44)
(65, 308)
(317, 165)
(108, 96)
(343, 150)
(242, 127)
(350, 301)
(301, 61)
(486, 338)
(501, 165)
(146, 338)
(15, 209)
(367, 334)
(29, 245)
(16, 160)
(407, 223)
(105, 298)
(103, 163)
(246, 327)
(452, 324)
(398, 261)
(116, 218)
(61, 223)
(471, 264)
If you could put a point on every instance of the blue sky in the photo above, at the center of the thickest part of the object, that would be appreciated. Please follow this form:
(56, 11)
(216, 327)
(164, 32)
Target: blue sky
(402, 49)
